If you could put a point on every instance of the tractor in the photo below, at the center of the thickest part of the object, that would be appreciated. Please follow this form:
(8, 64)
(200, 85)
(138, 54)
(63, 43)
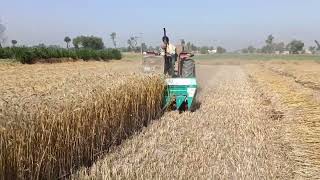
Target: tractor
(181, 83)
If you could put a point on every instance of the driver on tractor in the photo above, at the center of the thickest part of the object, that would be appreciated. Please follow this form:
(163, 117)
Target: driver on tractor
(170, 56)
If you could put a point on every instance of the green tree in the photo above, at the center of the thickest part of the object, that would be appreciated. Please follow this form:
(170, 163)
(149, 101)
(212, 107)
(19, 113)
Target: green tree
(14, 42)
(67, 40)
(188, 46)
(132, 42)
(245, 51)
(88, 42)
(204, 50)
(113, 38)
(279, 47)
(312, 49)
(221, 50)
(183, 44)
(41, 45)
(144, 47)
(270, 39)
(251, 49)
(295, 46)
(194, 47)
(269, 47)
(318, 45)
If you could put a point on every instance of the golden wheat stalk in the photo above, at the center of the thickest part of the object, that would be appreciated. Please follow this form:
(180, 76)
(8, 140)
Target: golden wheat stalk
(47, 143)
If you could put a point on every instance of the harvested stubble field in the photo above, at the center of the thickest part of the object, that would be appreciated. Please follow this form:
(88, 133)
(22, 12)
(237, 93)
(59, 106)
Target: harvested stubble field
(257, 120)
(294, 89)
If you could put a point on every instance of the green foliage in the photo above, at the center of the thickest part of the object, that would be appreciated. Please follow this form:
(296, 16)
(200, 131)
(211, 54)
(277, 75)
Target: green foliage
(88, 42)
(250, 50)
(6, 53)
(113, 38)
(295, 46)
(67, 39)
(280, 47)
(318, 45)
(26, 56)
(269, 47)
(115, 54)
(132, 42)
(144, 47)
(270, 39)
(204, 50)
(14, 42)
(183, 42)
(312, 49)
(245, 50)
(221, 50)
(30, 55)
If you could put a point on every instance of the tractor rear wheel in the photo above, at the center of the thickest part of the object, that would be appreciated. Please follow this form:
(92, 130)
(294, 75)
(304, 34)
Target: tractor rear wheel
(188, 68)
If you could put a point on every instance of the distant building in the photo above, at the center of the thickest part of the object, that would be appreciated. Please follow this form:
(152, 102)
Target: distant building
(285, 52)
(214, 51)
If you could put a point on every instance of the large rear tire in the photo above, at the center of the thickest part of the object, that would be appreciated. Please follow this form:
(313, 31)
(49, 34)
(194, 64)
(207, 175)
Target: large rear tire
(188, 68)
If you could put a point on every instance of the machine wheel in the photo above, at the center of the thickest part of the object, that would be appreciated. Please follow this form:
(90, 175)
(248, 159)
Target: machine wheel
(188, 68)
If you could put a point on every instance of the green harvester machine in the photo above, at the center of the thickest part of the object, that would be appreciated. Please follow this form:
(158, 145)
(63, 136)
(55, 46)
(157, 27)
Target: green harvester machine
(180, 93)
(181, 83)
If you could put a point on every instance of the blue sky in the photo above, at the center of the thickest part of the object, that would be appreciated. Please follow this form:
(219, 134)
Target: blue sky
(231, 23)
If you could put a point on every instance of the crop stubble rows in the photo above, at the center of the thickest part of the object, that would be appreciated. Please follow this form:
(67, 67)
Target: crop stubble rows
(294, 88)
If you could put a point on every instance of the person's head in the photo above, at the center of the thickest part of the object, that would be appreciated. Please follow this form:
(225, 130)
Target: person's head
(165, 39)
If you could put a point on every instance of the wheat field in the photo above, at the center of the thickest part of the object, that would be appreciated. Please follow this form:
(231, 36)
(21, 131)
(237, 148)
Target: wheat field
(93, 120)
(229, 137)
(55, 118)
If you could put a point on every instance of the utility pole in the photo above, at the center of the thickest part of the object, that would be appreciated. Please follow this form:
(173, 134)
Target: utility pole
(140, 37)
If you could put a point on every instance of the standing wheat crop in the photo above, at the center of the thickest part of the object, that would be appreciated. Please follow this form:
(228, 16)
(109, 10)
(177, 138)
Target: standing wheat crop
(48, 144)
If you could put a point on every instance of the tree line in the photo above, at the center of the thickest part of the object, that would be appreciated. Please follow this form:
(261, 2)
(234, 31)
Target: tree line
(96, 43)
(271, 47)
(84, 47)
(86, 42)
(188, 46)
